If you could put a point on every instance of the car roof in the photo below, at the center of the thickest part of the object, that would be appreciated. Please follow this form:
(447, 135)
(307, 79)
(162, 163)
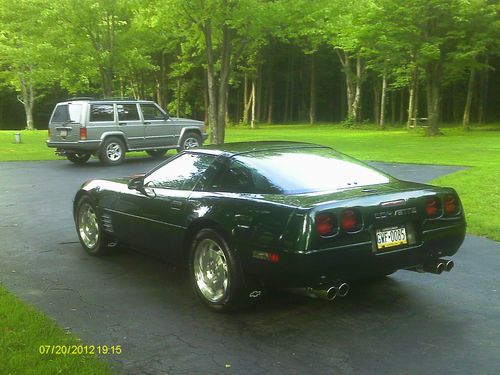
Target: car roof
(238, 148)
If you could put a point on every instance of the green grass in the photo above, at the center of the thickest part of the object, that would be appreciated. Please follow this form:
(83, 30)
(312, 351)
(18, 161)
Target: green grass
(478, 149)
(23, 329)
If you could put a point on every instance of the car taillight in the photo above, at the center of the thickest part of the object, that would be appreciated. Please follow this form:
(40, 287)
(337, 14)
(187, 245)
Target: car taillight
(450, 205)
(326, 225)
(83, 133)
(48, 131)
(351, 220)
(433, 207)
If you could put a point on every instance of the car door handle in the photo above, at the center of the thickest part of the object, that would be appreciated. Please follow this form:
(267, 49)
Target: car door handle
(122, 123)
(176, 205)
(147, 123)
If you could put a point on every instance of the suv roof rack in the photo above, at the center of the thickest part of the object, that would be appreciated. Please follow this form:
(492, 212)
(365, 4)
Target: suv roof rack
(118, 98)
(81, 98)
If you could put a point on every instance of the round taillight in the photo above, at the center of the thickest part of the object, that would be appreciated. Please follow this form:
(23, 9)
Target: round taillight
(433, 207)
(450, 205)
(351, 220)
(326, 225)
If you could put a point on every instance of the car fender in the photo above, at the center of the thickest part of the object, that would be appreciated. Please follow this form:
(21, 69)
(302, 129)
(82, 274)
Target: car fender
(115, 133)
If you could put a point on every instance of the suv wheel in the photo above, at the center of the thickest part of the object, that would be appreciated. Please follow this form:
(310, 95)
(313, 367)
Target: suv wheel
(112, 151)
(190, 140)
(156, 153)
(78, 157)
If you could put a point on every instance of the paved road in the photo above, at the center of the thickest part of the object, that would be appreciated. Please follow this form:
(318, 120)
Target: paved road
(408, 323)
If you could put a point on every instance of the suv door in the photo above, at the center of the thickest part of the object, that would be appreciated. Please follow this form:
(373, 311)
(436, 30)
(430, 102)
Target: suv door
(160, 131)
(131, 124)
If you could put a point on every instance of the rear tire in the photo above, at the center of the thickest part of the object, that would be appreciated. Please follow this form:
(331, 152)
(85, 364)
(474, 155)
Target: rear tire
(89, 228)
(215, 273)
(189, 140)
(157, 153)
(112, 151)
(78, 158)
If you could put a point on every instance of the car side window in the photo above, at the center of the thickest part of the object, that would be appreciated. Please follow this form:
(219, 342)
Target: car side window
(181, 173)
(152, 112)
(240, 178)
(102, 112)
(127, 112)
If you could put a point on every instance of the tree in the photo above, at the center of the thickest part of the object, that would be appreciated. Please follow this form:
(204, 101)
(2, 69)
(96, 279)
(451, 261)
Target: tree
(25, 57)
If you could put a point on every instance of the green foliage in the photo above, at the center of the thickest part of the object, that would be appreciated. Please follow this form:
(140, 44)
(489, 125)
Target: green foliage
(23, 329)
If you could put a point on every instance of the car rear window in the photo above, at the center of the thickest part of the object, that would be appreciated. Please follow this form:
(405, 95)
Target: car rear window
(308, 170)
(67, 113)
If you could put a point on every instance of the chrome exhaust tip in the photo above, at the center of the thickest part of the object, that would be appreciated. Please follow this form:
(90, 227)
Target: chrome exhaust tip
(343, 289)
(328, 293)
(448, 264)
(436, 267)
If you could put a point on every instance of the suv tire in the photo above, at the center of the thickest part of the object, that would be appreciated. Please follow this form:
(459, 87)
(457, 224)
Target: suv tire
(112, 151)
(78, 158)
(156, 153)
(189, 140)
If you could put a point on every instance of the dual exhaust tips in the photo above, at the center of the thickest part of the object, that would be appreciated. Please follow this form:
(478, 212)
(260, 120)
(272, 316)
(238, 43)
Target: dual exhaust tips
(327, 293)
(437, 267)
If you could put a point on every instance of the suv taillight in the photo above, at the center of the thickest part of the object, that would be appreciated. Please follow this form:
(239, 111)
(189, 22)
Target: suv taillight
(48, 131)
(83, 134)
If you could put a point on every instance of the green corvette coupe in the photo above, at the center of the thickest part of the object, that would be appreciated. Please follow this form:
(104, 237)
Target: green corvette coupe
(246, 217)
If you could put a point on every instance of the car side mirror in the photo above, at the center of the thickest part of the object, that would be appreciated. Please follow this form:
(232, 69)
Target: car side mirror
(136, 182)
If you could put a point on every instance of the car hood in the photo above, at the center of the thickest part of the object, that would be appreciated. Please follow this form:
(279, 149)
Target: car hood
(187, 121)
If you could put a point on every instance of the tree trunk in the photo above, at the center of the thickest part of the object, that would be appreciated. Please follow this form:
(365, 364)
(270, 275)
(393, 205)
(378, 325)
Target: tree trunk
(27, 98)
(312, 92)
(433, 99)
(356, 105)
(211, 85)
(393, 107)
(382, 101)
(178, 112)
(468, 101)
(270, 102)
(246, 101)
(106, 81)
(376, 102)
(483, 92)
(401, 106)
(411, 100)
(252, 121)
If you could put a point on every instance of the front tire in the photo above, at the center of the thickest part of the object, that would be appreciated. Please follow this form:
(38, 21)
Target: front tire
(215, 272)
(190, 140)
(89, 228)
(112, 151)
(78, 158)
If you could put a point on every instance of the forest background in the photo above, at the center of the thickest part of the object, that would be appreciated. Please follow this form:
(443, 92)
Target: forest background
(251, 62)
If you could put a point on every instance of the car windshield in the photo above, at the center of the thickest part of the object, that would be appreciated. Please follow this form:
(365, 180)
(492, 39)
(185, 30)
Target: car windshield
(310, 170)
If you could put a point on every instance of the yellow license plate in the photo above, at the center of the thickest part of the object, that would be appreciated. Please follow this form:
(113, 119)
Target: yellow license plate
(389, 237)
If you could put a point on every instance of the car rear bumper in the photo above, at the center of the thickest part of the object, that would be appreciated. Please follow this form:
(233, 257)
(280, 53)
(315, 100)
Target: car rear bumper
(353, 262)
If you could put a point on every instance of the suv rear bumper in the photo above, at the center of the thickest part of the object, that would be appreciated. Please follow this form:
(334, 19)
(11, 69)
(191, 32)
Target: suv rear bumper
(75, 146)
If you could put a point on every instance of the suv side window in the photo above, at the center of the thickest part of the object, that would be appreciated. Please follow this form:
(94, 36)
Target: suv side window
(101, 112)
(152, 112)
(181, 173)
(127, 112)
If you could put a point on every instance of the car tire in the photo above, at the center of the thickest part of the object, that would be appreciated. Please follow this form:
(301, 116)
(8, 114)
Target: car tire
(215, 272)
(78, 158)
(189, 140)
(157, 153)
(112, 151)
(89, 229)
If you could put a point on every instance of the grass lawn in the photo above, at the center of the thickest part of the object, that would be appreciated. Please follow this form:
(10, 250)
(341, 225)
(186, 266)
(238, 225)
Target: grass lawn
(478, 186)
(22, 331)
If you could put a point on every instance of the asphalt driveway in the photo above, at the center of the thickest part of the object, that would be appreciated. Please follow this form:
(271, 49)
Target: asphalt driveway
(408, 323)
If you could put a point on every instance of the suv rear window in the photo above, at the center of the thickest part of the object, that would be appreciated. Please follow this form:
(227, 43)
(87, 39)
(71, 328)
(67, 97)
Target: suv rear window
(101, 112)
(127, 112)
(67, 113)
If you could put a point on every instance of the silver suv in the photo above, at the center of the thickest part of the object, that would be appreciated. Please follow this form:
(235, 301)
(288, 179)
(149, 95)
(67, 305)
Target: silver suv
(108, 129)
